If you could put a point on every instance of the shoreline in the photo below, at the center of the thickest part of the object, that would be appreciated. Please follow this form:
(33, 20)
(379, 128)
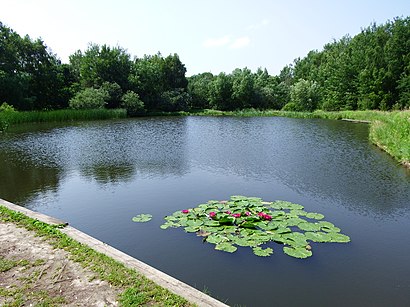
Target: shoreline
(383, 124)
(161, 279)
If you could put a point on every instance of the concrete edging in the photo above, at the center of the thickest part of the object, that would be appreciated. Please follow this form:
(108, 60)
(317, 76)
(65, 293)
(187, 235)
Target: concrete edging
(168, 282)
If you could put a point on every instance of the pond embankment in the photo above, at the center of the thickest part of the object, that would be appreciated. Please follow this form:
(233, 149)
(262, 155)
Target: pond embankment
(48, 261)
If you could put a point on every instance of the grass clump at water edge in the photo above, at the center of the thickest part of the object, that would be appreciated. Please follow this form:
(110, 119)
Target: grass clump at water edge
(393, 135)
(14, 117)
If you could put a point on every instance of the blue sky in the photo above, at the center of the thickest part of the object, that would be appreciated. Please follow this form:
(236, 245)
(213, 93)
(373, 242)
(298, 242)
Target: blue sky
(208, 35)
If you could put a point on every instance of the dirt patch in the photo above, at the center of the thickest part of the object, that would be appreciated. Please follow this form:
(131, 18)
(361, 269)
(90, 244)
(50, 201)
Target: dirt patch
(33, 272)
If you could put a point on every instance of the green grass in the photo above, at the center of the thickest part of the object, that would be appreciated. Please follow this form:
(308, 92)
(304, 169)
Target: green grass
(6, 264)
(136, 287)
(392, 134)
(13, 118)
(26, 293)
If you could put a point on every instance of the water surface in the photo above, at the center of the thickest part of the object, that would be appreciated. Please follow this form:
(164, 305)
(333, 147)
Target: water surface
(98, 175)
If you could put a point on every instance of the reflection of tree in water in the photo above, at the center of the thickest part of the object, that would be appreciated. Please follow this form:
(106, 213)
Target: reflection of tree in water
(117, 174)
(143, 148)
(107, 152)
(20, 179)
(105, 174)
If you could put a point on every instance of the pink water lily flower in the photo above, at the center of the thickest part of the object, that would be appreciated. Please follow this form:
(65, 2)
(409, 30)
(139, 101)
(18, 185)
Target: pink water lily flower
(247, 213)
(236, 215)
(185, 211)
(212, 214)
(265, 216)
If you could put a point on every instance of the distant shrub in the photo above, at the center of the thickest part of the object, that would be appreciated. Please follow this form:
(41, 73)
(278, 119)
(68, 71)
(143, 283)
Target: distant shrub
(114, 94)
(133, 104)
(175, 100)
(89, 98)
(291, 106)
(5, 107)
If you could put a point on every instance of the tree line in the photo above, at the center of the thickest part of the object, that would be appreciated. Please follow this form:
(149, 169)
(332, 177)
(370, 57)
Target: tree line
(369, 71)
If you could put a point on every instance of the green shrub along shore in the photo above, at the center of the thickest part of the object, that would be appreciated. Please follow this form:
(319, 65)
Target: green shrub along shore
(388, 130)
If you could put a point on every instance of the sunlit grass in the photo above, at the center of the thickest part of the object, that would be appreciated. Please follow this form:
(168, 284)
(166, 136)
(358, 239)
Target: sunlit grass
(392, 134)
(12, 118)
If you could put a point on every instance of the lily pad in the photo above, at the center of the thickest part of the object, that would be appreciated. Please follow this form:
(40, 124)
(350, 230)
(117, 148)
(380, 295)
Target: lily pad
(226, 247)
(194, 223)
(339, 238)
(280, 204)
(299, 252)
(191, 229)
(262, 252)
(243, 241)
(319, 237)
(142, 218)
(316, 216)
(308, 226)
(215, 239)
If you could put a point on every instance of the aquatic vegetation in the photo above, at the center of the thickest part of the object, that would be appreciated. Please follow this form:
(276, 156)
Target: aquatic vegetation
(142, 218)
(251, 222)
(14, 118)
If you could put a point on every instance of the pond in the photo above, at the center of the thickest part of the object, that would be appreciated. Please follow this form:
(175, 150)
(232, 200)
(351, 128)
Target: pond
(98, 175)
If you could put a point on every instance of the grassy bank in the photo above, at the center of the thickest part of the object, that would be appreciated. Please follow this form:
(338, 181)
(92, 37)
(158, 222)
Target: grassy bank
(136, 289)
(12, 118)
(392, 134)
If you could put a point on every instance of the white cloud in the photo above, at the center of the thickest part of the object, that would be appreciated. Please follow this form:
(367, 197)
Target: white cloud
(259, 25)
(216, 42)
(240, 42)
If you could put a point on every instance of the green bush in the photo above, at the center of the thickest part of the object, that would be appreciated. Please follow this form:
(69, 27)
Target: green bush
(291, 106)
(5, 107)
(174, 100)
(5, 111)
(133, 104)
(89, 98)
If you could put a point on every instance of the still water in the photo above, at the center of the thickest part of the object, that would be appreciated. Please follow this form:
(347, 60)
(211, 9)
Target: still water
(98, 175)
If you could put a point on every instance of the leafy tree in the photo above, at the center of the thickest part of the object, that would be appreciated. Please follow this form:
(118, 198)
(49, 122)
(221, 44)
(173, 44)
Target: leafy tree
(242, 88)
(148, 76)
(220, 93)
(199, 89)
(174, 73)
(174, 100)
(159, 81)
(304, 94)
(114, 94)
(30, 75)
(404, 92)
(100, 64)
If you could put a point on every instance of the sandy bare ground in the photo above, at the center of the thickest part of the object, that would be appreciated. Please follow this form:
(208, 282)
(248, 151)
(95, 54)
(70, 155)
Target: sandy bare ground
(43, 274)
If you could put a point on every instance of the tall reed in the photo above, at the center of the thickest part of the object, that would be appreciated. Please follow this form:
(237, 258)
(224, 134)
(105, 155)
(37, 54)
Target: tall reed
(12, 118)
